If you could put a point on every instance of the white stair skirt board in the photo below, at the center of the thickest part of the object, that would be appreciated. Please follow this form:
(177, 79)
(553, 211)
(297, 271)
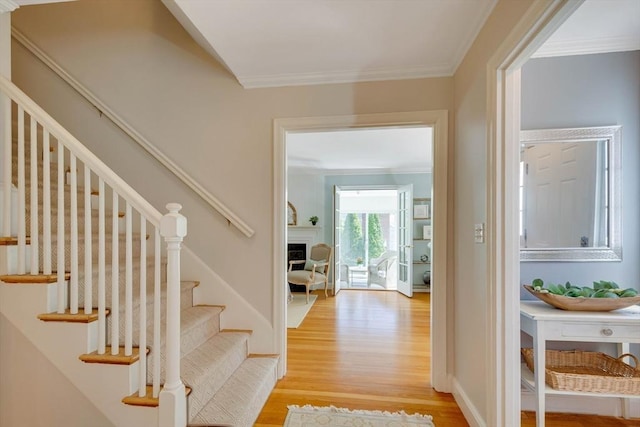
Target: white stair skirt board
(298, 308)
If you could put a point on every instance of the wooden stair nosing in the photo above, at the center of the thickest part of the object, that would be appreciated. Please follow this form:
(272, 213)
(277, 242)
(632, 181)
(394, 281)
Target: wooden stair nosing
(246, 331)
(220, 306)
(148, 400)
(33, 278)
(259, 355)
(12, 241)
(67, 316)
(110, 359)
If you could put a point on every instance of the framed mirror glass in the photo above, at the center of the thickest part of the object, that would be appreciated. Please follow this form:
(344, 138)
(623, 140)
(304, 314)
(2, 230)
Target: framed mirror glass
(570, 207)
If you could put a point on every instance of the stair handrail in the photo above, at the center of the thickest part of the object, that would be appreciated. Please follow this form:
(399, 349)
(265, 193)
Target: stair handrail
(213, 201)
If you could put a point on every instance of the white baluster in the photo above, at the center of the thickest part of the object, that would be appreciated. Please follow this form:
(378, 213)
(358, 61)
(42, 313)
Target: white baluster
(88, 279)
(62, 303)
(22, 232)
(173, 405)
(143, 309)
(6, 166)
(102, 324)
(74, 234)
(157, 347)
(128, 297)
(35, 262)
(46, 201)
(115, 278)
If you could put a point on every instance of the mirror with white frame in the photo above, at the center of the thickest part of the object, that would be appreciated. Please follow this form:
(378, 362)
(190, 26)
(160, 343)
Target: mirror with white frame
(570, 194)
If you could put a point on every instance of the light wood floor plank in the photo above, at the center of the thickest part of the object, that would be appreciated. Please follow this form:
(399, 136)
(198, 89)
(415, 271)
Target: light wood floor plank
(362, 350)
(370, 350)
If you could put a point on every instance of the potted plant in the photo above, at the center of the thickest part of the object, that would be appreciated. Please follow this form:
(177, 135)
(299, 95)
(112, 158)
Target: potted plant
(314, 220)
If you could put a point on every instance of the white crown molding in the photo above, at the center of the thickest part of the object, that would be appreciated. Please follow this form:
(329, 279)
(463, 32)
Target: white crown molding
(472, 36)
(331, 172)
(586, 46)
(8, 6)
(351, 76)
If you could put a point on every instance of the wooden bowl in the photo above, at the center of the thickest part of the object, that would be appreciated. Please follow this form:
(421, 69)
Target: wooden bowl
(584, 304)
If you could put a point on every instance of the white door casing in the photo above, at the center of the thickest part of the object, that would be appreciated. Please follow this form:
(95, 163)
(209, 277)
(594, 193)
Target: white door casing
(503, 231)
(337, 249)
(405, 240)
(441, 297)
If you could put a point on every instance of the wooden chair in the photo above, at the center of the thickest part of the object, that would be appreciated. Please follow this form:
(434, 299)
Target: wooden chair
(316, 269)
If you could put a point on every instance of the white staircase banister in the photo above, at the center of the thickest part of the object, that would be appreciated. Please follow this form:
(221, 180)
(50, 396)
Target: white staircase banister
(173, 403)
(213, 201)
(81, 152)
(172, 226)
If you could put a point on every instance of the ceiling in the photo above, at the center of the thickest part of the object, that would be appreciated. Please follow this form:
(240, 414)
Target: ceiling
(361, 151)
(301, 42)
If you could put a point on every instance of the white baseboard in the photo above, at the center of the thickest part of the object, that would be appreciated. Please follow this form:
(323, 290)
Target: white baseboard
(605, 406)
(468, 409)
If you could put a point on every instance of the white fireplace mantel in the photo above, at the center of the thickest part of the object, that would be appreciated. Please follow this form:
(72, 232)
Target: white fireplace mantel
(309, 235)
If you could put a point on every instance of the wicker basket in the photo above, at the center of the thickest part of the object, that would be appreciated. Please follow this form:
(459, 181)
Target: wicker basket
(588, 371)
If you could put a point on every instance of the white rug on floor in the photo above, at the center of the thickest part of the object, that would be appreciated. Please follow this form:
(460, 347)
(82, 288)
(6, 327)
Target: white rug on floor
(311, 416)
(298, 308)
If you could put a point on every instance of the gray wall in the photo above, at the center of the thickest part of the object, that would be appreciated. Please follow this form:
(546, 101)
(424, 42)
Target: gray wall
(583, 91)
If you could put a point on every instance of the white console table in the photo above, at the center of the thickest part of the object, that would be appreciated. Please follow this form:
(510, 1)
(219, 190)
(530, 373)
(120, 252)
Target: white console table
(545, 323)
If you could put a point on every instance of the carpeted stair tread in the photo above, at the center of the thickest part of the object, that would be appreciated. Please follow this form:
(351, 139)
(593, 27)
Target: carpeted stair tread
(207, 367)
(198, 325)
(190, 320)
(150, 265)
(239, 402)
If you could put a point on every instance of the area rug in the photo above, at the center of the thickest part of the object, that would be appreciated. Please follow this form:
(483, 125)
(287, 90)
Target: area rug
(312, 416)
(298, 308)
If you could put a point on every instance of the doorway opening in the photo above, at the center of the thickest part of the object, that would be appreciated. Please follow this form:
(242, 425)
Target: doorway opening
(436, 121)
(367, 227)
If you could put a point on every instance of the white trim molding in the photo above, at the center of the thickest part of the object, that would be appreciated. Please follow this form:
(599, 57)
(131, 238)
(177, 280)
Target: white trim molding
(470, 412)
(586, 46)
(8, 6)
(503, 245)
(304, 79)
(441, 295)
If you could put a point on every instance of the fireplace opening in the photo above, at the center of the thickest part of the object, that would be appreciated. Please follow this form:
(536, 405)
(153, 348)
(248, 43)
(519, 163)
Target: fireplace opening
(296, 252)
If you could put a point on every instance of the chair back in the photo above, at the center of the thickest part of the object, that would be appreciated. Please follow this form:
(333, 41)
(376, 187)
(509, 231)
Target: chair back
(322, 251)
(387, 257)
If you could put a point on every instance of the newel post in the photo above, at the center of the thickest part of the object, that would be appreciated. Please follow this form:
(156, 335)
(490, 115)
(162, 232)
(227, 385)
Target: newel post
(173, 402)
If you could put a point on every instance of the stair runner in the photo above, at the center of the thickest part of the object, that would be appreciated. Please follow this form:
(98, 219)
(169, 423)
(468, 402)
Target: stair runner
(227, 386)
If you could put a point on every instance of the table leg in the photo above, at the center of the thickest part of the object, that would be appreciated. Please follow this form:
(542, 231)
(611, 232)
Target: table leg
(626, 403)
(539, 368)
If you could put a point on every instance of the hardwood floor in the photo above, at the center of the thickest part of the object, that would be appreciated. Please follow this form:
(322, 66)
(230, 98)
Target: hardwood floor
(370, 350)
